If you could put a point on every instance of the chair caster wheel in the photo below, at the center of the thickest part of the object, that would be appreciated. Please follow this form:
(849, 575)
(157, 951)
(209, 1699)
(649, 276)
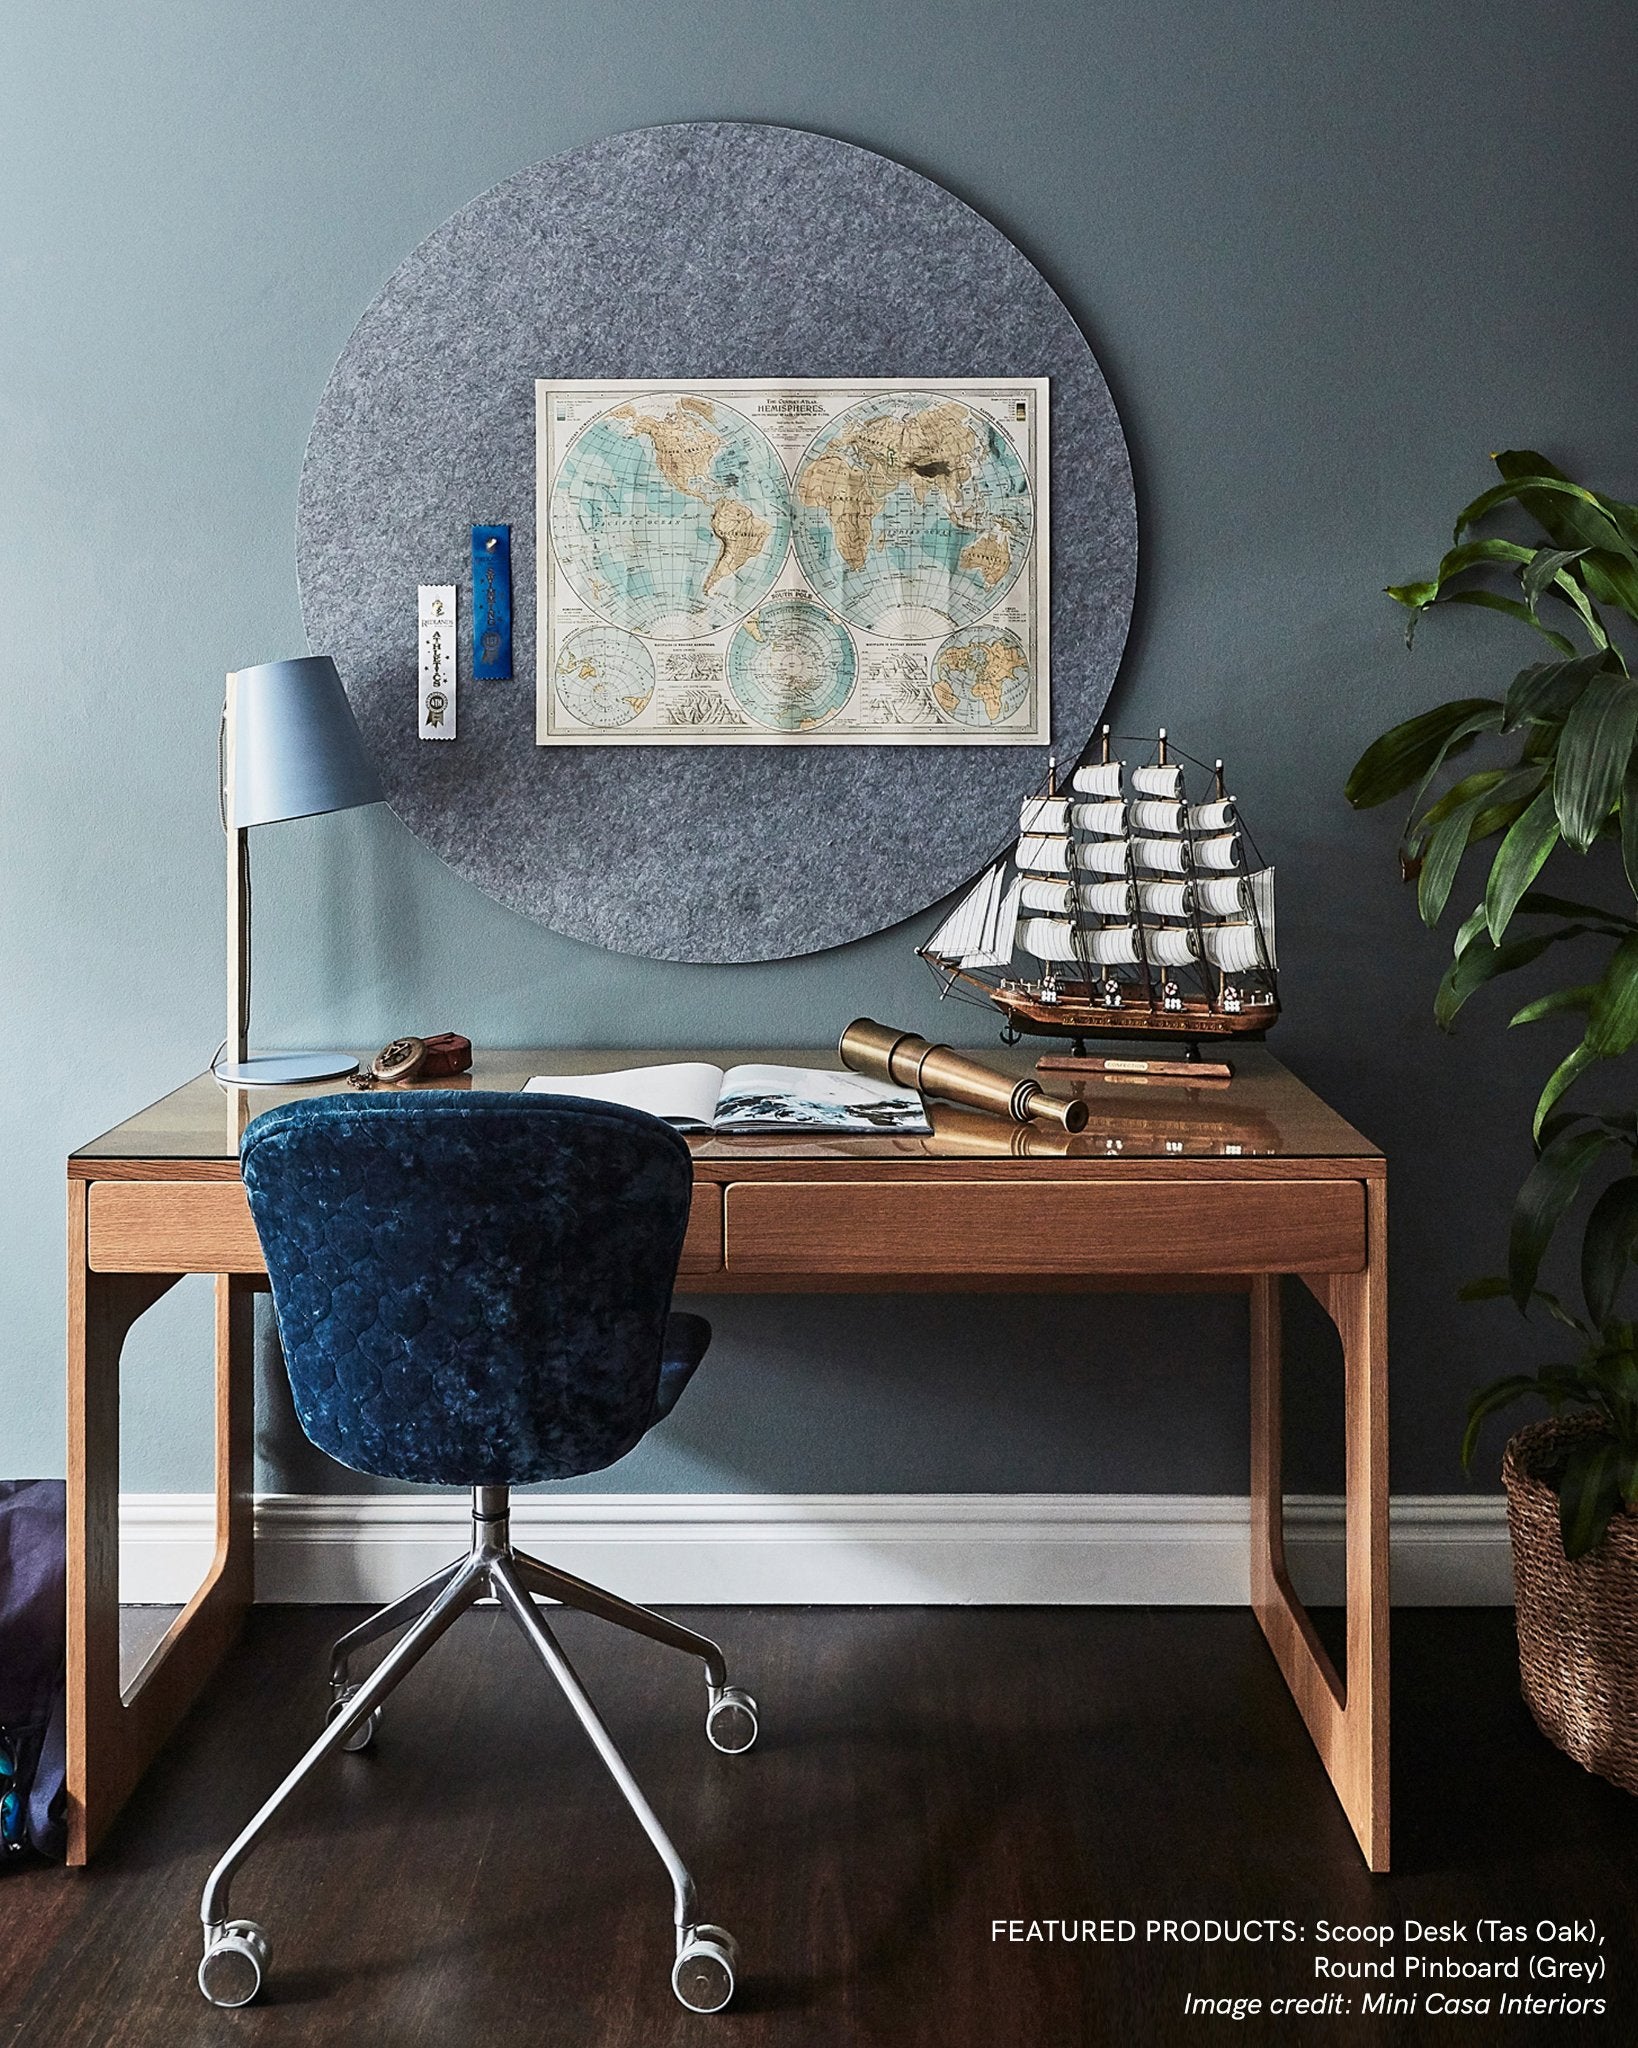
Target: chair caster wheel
(364, 1734)
(235, 1961)
(730, 1721)
(703, 1974)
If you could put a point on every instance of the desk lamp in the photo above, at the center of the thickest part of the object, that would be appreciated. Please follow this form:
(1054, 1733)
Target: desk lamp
(289, 749)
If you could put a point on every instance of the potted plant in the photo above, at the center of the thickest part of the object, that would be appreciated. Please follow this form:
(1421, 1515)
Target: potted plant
(1560, 780)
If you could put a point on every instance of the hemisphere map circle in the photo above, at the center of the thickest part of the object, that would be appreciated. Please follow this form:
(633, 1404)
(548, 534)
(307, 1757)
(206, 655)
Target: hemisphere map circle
(980, 676)
(791, 666)
(670, 516)
(911, 515)
(604, 676)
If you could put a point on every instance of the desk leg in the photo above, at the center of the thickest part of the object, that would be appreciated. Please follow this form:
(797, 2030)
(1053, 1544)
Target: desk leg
(113, 1736)
(1349, 1723)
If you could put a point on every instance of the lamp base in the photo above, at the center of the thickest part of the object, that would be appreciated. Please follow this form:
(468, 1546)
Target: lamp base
(284, 1069)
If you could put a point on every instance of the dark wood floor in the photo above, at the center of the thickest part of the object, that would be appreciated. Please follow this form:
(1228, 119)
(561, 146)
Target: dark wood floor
(922, 1773)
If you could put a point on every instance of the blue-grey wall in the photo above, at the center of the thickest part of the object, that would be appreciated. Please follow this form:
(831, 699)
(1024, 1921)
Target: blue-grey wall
(1328, 257)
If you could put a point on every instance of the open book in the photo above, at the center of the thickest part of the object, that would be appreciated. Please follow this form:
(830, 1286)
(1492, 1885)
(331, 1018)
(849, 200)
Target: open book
(697, 1096)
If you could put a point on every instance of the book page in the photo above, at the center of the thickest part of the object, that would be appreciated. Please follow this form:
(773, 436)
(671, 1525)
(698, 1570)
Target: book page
(757, 1098)
(684, 1093)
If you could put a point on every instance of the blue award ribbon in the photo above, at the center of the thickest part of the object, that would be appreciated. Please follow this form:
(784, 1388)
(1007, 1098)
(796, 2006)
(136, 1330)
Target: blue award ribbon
(491, 604)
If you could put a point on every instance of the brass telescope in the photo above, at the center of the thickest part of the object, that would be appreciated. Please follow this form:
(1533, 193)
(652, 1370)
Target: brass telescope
(905, 1060)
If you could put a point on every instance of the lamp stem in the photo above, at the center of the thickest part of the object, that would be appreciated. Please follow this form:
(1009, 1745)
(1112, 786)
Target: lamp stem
(238, 888)
(238, 943)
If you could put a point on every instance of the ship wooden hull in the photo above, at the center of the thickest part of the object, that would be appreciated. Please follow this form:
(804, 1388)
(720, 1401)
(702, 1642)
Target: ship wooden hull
(1077, 1015)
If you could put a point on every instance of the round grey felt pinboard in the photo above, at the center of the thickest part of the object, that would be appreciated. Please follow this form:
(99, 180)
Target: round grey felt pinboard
(705, 249)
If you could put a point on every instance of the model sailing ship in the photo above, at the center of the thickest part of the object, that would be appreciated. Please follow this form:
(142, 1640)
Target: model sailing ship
(1148, 913)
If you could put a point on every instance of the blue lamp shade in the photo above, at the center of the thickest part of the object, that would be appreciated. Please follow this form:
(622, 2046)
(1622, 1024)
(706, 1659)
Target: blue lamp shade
(294, 748)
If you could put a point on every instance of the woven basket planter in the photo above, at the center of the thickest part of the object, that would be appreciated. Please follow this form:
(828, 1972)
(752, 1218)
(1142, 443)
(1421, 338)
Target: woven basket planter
(1577, 1622)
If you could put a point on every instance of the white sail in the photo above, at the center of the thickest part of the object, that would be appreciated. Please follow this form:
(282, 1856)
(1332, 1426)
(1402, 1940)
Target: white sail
(1218, 853)
(1262, 894)
(1106, 818)
(1169, 855)
(1044, 814)
(1220, 895)
(1164, 899)
(1050, 938)
(1106, 899)
(1232, 947)
(1101, 778)
(964, 927)
(1101, 856)
(1170, 945)
(1217, 817)
(1051, 898)
(1041, 853)
(1158, 782)
(1153, 816)
(1000, 932)
(1115, 946)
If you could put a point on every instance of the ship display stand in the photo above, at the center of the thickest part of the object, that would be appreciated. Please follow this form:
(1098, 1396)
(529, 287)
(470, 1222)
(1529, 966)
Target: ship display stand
(1142, 910)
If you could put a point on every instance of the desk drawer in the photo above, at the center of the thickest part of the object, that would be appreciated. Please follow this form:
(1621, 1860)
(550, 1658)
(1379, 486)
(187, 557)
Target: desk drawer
(160, 1226)
(1047, 1227)
(170, 1226)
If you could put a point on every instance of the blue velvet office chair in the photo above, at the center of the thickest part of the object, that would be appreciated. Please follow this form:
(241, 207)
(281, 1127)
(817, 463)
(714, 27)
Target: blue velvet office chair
(475, 1290)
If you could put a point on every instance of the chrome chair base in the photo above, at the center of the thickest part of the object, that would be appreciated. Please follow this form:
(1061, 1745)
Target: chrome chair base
(237, 1953)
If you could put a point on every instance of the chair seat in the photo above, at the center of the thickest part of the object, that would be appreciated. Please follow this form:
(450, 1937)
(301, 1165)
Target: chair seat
(681, 1349)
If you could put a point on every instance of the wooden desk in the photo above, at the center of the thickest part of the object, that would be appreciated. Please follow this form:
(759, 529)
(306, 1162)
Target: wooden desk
(1172, 1187)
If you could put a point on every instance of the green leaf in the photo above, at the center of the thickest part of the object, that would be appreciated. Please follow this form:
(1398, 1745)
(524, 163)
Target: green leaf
(1538, 903)
(1610, 579)
(1594, 752)
(1495, 1286)
(1482, 961)
(1612, 1023)
(1544, 693)
(1566, 512)
(1578, 998)
(1612, 1378)
(1482, 782)
(1544, 569)
(1442, 856)
(1607, 1245)
(1548, 1190)
(1622, 1125)
(1603, 531)
(1589, 1492)
(1468, 930)
(1497, 817)
(1519, 860)
(1490, 552)
(1567, 1070)
(1416, 748)
(1493, 601)
(1629, 825)
(1500, 1394)
(1560, 1314)
(1566, 587)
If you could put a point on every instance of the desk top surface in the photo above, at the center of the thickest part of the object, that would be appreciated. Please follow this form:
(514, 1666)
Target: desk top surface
(1264, 1113)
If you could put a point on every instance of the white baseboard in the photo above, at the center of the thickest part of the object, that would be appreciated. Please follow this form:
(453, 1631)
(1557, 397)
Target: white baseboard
(829, 1549)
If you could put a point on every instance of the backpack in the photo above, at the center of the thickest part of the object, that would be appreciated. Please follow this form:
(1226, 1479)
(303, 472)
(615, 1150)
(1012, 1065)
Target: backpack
(33, 1645)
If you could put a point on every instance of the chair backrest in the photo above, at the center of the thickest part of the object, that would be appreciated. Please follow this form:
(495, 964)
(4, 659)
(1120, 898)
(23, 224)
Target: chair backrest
(471, 1288)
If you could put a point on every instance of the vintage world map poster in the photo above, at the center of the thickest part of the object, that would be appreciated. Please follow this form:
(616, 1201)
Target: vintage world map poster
(816, 562)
